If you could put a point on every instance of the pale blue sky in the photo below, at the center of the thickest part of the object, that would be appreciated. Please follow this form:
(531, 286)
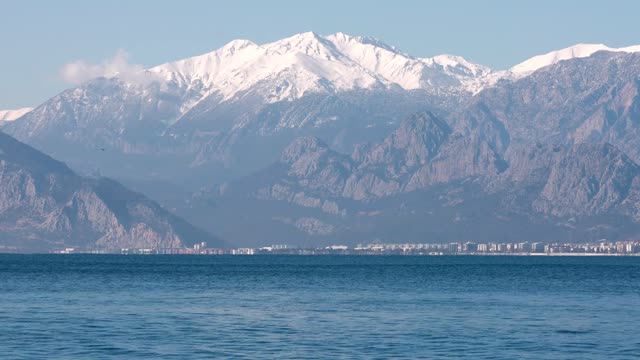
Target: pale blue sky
(38, 37)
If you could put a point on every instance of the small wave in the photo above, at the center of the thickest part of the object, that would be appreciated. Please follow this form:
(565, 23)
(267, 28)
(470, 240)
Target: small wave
(574, 332)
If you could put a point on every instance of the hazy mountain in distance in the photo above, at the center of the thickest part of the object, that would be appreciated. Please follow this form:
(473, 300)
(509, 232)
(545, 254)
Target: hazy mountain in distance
(44, 205)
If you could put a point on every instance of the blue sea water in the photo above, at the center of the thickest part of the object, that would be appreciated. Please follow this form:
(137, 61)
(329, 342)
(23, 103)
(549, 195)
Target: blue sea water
(198, 307)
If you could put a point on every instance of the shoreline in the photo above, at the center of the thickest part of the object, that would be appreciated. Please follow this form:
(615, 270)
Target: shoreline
(306, 253)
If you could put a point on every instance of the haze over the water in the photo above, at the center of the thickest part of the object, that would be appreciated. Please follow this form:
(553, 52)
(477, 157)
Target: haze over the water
(41, 37)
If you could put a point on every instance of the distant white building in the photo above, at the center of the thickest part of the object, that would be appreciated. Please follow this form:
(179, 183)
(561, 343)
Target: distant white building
(243, 251)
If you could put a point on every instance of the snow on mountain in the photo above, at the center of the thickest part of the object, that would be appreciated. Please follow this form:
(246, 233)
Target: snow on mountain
(577, 51)
(10, 115)
(472, 77)
(298, 64)
(308, 62)
(410, 73)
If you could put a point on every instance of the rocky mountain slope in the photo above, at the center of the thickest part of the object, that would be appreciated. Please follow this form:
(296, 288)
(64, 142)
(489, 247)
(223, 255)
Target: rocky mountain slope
(592, 99)
(317, 194)
(44, 205)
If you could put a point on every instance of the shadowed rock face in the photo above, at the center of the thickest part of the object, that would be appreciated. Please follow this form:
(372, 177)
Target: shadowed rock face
(583, 179)
(413, 144)
(44, 205)
(580, 180)
(590, 179)
(421, 152)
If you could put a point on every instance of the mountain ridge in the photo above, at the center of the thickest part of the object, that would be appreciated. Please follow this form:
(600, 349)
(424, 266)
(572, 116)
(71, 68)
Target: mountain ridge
(45, 206)
(309, 62)
(576, 51)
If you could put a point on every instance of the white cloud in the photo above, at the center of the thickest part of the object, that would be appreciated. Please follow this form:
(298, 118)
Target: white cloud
(80, 71)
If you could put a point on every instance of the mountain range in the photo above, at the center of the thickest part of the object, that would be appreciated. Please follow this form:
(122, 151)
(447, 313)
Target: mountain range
(316, 139)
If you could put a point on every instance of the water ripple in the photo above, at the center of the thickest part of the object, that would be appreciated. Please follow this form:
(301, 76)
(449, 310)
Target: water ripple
(106, 307)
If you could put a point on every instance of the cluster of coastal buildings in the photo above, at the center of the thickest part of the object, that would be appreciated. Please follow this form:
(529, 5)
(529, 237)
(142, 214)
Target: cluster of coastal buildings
(467, 248)
(521, 248)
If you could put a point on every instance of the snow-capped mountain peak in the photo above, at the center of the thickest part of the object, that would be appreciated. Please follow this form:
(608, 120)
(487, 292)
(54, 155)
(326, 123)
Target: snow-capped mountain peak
(458, 62)
(304, 63)
(10, 115)
(577, 51)
(342, 38)
(307, 62)
(235, 45)
(308, 43)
